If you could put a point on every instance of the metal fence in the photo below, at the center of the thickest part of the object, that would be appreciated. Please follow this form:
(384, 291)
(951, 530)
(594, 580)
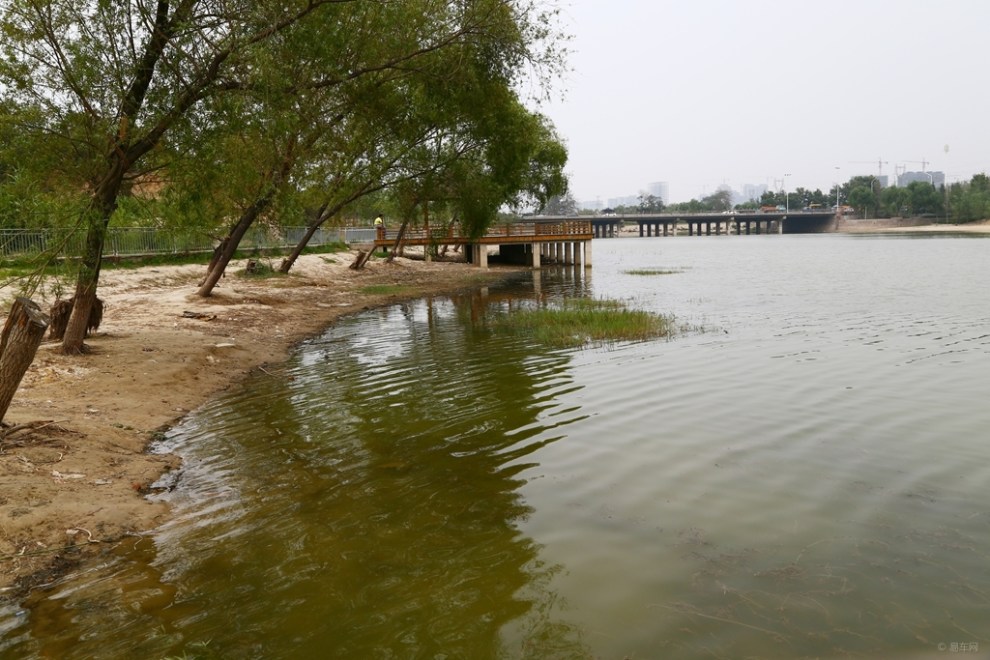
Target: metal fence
(137, 241)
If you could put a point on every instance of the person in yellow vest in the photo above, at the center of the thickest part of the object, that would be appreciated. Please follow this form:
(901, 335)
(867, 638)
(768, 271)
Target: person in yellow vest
(379, 226)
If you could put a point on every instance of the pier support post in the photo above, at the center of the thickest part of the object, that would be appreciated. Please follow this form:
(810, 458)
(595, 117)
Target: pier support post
(480, 254)
(587, 254)
(535, 250)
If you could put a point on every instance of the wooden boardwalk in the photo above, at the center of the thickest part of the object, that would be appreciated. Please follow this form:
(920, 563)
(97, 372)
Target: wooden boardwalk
(514, 232)
(525, 242)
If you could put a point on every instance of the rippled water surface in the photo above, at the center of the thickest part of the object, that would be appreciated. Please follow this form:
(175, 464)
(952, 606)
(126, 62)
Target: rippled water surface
(802, 471)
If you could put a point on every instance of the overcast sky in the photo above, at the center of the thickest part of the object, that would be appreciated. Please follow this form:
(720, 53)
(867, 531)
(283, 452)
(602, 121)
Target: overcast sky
(699, 93)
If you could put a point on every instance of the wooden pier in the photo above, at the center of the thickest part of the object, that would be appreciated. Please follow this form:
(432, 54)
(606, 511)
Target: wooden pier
(529, 243)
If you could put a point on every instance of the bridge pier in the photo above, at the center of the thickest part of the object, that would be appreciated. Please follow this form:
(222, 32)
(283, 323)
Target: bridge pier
(650, 228)
(733, 223)
(479, 254)
(567, 253)
(606, 229)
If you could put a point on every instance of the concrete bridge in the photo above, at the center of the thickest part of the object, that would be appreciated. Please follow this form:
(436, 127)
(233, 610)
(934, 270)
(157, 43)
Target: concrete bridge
(708, 224)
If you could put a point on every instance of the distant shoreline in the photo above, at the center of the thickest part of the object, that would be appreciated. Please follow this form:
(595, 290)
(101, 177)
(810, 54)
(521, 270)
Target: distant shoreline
(885, 225)
(908, 225)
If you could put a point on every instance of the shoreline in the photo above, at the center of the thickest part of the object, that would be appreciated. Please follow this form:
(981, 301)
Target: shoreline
(76, 483)
(977, 227)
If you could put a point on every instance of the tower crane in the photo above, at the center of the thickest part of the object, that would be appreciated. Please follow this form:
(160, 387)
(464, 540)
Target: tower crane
(922, 162)
(879, 161)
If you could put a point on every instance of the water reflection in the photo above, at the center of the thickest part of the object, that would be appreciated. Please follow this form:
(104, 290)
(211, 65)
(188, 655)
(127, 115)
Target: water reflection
(806, 478)
(362, 502)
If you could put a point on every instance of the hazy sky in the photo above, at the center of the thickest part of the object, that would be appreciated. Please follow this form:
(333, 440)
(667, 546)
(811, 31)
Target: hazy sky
(704, 92)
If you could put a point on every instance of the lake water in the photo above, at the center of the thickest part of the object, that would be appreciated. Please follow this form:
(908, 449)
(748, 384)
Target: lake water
(802, 471)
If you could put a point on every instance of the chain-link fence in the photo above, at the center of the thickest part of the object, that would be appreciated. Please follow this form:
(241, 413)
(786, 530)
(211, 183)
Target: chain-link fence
(138, 241)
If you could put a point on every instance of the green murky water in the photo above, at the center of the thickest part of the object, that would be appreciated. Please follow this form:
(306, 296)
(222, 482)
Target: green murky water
(807, 477)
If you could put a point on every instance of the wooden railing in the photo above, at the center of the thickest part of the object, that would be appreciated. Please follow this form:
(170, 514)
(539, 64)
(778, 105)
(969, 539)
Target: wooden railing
(513, 230)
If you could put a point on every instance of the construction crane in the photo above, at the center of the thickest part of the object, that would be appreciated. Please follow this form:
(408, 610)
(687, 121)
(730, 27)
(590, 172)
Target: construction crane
(879, 161)
(922, 162)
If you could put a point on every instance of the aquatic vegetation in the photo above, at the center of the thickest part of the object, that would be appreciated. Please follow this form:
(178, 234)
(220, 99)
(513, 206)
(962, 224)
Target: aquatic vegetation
(653, 271)
(574, 322)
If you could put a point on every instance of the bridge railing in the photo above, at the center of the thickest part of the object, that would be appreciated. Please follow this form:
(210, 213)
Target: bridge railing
(515, 230)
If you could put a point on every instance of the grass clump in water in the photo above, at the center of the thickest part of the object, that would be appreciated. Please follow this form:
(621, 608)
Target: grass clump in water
(575, 322)
(653, 271)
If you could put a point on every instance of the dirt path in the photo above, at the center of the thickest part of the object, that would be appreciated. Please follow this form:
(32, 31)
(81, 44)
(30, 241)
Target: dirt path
(75, 484)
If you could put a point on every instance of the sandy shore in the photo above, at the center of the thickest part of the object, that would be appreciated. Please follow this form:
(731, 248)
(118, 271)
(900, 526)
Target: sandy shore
(75, 483)
(863, 226)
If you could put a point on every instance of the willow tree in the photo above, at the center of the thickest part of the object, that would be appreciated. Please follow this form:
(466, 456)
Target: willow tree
(338, 106)
(448, 110)
(512, 157)
(123, 75)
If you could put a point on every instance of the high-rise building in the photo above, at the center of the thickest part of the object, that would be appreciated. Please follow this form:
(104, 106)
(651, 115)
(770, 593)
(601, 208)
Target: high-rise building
(659, 189)
(628, 200)
(937, 179)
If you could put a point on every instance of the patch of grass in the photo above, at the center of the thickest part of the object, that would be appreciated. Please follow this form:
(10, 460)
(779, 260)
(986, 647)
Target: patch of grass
(575, 322)
(653, 271)
(385, 289)
(329, 248)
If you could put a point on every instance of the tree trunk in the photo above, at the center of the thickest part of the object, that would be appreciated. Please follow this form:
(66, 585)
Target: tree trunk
(397, 246)
(362, 258)
(215, 259)
(229, 247)
(19, 342)
(290, 260)
(97, 219)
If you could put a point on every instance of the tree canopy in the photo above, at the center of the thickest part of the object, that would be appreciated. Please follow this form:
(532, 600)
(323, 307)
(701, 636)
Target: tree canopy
(238, 111)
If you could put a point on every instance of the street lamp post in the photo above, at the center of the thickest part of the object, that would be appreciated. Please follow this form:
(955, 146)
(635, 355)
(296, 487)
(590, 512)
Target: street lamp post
(837, 168)
(873, 195)
(787, 205)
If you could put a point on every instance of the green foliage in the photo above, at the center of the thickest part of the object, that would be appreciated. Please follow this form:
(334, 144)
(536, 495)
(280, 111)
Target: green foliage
(970, 201)
(650, 204)
(894, 202)
(863, 199)
(162, 115)
(564, 204)
(923, 198)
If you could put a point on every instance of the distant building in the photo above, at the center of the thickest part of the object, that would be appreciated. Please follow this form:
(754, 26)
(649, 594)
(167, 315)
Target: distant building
(659, 189)
(592, 205)
(752, 192)
(628, 200)
(937, 179)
